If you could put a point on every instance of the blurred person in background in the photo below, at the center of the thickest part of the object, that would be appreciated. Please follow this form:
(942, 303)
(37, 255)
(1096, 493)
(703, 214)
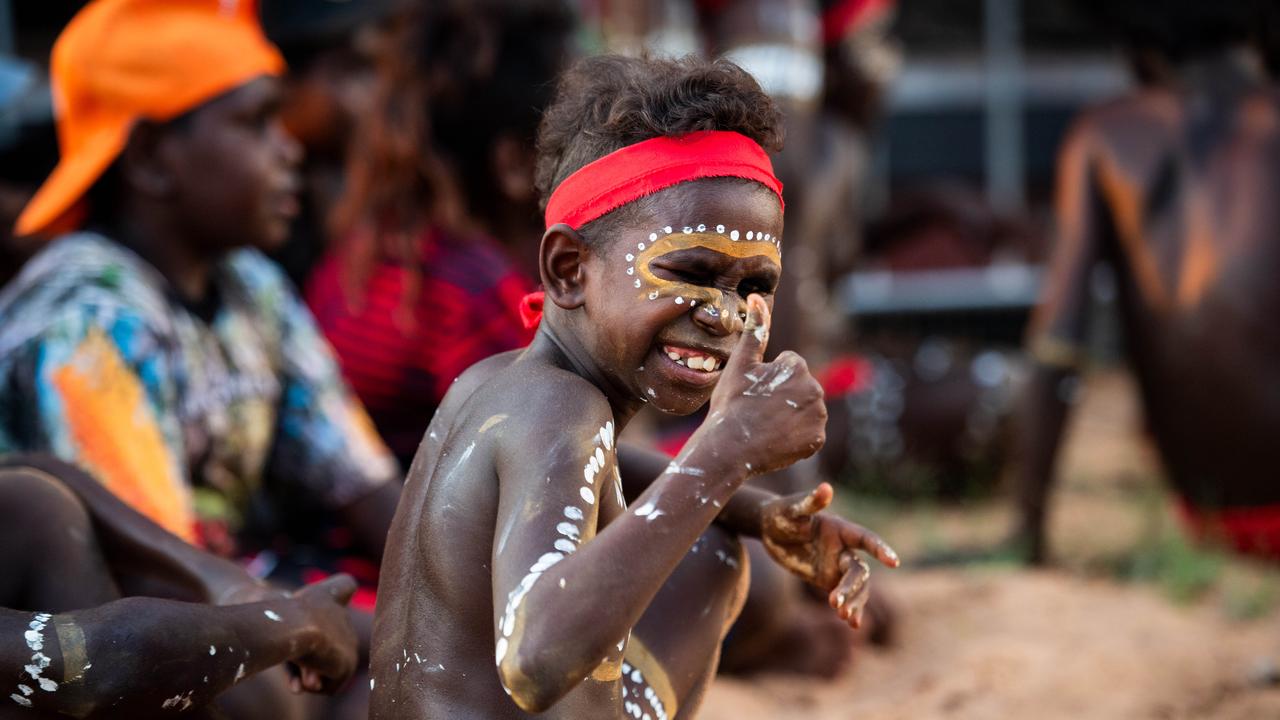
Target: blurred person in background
(439, 222)
(28, 151)
(781, 43)
(149, 341)
(333, 50)
(1173, 185)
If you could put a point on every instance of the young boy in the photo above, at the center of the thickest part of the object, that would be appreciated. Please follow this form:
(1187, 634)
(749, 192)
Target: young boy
(514, 544)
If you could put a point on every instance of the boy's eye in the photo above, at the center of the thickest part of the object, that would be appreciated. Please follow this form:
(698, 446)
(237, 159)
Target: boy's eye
(754, 285)
(682, 273)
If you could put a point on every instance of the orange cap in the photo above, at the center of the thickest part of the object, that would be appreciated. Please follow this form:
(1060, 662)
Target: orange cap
(118, 61)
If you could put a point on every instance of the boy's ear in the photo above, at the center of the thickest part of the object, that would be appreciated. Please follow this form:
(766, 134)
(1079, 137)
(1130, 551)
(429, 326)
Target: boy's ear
(560, 262)
(143, 165)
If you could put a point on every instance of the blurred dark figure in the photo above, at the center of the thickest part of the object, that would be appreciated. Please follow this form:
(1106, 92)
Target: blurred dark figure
(781, 43)
(332, 49)
(28, 152)
(423, 279)
(1174, 186)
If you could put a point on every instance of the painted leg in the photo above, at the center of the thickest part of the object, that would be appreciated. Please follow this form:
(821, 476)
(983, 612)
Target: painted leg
(674, 650)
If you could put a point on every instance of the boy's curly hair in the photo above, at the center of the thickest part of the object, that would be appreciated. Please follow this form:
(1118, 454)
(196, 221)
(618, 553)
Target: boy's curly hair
(608, 102)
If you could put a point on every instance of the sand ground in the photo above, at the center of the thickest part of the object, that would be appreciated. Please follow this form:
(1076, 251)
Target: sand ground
(1129, 623)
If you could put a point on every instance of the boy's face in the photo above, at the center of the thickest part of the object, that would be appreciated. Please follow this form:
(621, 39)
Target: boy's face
(235, 170)
(677, 286)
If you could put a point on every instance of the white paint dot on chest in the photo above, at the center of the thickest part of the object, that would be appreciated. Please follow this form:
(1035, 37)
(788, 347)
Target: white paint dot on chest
(587, 495)
(573, 513)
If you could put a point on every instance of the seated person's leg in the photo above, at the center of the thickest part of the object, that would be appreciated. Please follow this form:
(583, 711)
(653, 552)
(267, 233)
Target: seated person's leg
(50, 559)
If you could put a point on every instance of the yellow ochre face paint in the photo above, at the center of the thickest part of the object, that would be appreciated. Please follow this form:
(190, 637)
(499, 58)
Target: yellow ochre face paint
(732, 242)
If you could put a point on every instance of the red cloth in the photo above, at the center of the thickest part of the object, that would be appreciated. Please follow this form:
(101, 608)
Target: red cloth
(1248, 530)
(464, 311)
(843, 17)
(635, 171)
(531, 309)
(845, 375)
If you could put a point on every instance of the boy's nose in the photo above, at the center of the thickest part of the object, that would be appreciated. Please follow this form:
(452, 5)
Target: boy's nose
(721, 316)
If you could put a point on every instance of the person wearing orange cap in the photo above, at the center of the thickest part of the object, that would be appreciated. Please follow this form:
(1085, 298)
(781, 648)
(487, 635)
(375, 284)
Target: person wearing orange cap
(150, 341)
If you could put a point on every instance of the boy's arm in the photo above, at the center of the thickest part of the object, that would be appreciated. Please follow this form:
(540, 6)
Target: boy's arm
(104, 662)
(1057, 334)
(818, 547)
(563, 600)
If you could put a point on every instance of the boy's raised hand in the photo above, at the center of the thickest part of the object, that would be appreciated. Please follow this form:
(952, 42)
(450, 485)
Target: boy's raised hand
(822, 549)
(774, 411)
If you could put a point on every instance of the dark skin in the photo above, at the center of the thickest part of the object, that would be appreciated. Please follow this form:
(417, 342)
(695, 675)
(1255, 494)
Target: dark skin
(75, 639)
(1180, 203)
(514, 543)
(221, 178)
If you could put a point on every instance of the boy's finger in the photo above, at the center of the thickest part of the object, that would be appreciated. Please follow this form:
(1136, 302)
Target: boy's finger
(879, 549)
(813, 503)
(755, 334)
(340, 587)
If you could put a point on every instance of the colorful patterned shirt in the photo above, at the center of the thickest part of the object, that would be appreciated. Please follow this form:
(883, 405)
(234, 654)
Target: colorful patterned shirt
(181, 416)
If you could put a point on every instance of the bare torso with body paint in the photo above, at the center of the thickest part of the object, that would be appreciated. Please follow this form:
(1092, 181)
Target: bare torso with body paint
(435, 646)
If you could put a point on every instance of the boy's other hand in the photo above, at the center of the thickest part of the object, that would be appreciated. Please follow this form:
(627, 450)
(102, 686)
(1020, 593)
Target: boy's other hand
(331, 658)
(822, 549)
(774, 411)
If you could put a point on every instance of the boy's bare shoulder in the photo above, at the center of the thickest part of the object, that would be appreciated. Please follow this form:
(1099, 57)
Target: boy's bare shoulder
(543, 400)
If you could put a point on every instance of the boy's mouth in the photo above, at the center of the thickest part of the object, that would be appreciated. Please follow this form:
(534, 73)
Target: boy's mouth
(698, 360)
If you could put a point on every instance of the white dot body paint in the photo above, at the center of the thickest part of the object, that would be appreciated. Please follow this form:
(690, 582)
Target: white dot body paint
(679, 300)
(34, 637)
(239, 674)
(631, 271)
(637, 282)
(631, 257)
(652, 237)
(572, 512)
(653, 295)
(565, 546)
(720, 229)
(667, 229)
(587, 494)
(750, 235)
(271, 615)
(687, 229)
(213, 650)
(702, 228)
(733, 235)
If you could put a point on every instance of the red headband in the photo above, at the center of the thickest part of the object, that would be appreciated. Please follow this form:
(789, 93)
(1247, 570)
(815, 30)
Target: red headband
(632, 172)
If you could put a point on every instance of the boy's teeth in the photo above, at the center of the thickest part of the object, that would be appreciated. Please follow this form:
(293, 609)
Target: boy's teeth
(706, 363)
